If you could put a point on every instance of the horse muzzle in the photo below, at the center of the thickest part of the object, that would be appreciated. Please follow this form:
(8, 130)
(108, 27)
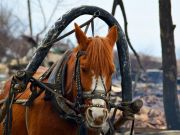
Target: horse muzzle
(96, 121)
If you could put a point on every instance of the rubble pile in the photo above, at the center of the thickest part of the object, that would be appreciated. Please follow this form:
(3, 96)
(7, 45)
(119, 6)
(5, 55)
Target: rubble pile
(152, 113)
(150, 117)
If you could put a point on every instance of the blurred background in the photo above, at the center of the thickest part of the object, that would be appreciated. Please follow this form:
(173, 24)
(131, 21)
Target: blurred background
(23, 24)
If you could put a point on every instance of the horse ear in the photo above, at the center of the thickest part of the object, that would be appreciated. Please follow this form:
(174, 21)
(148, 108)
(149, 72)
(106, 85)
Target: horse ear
(80, 36)
(112, 35)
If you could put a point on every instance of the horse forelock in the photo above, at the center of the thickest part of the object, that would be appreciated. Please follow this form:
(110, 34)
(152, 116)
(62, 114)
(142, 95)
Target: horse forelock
(99, 57)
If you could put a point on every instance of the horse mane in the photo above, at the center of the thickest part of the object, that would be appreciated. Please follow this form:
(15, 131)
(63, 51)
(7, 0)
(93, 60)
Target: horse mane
(99, 56)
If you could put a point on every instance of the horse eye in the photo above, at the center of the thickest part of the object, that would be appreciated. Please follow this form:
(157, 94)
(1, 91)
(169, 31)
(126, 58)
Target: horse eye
(84, 69)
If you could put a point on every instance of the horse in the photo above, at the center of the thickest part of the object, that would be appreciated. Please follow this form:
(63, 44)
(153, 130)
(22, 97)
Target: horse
(87, 84)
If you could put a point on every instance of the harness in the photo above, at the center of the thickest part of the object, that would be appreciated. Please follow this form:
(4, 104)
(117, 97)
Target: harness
(55, 90)
(22, 78)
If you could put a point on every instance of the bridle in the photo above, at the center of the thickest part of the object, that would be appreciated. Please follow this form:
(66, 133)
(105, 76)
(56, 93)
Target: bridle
(82, 95)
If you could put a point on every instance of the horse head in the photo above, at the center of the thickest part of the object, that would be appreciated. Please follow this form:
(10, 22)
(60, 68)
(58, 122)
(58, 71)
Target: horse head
(96, 67)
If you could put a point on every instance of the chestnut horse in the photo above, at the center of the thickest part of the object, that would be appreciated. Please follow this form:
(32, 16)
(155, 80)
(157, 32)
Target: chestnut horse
(96, 69)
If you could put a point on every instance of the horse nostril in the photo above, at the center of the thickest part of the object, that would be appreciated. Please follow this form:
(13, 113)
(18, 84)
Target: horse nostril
(99, 120)
(89, 112)
(105, 111)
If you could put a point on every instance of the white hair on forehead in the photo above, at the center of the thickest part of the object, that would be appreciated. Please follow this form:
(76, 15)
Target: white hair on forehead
(100, 85)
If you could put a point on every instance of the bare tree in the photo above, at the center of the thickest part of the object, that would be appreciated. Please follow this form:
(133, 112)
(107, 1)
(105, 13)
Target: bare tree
(120, 3)
(45, 19)
(9, 24)
(29, 17)
(170, 99)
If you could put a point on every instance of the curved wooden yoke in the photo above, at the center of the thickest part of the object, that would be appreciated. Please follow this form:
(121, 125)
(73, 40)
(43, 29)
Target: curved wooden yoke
(64, 21)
